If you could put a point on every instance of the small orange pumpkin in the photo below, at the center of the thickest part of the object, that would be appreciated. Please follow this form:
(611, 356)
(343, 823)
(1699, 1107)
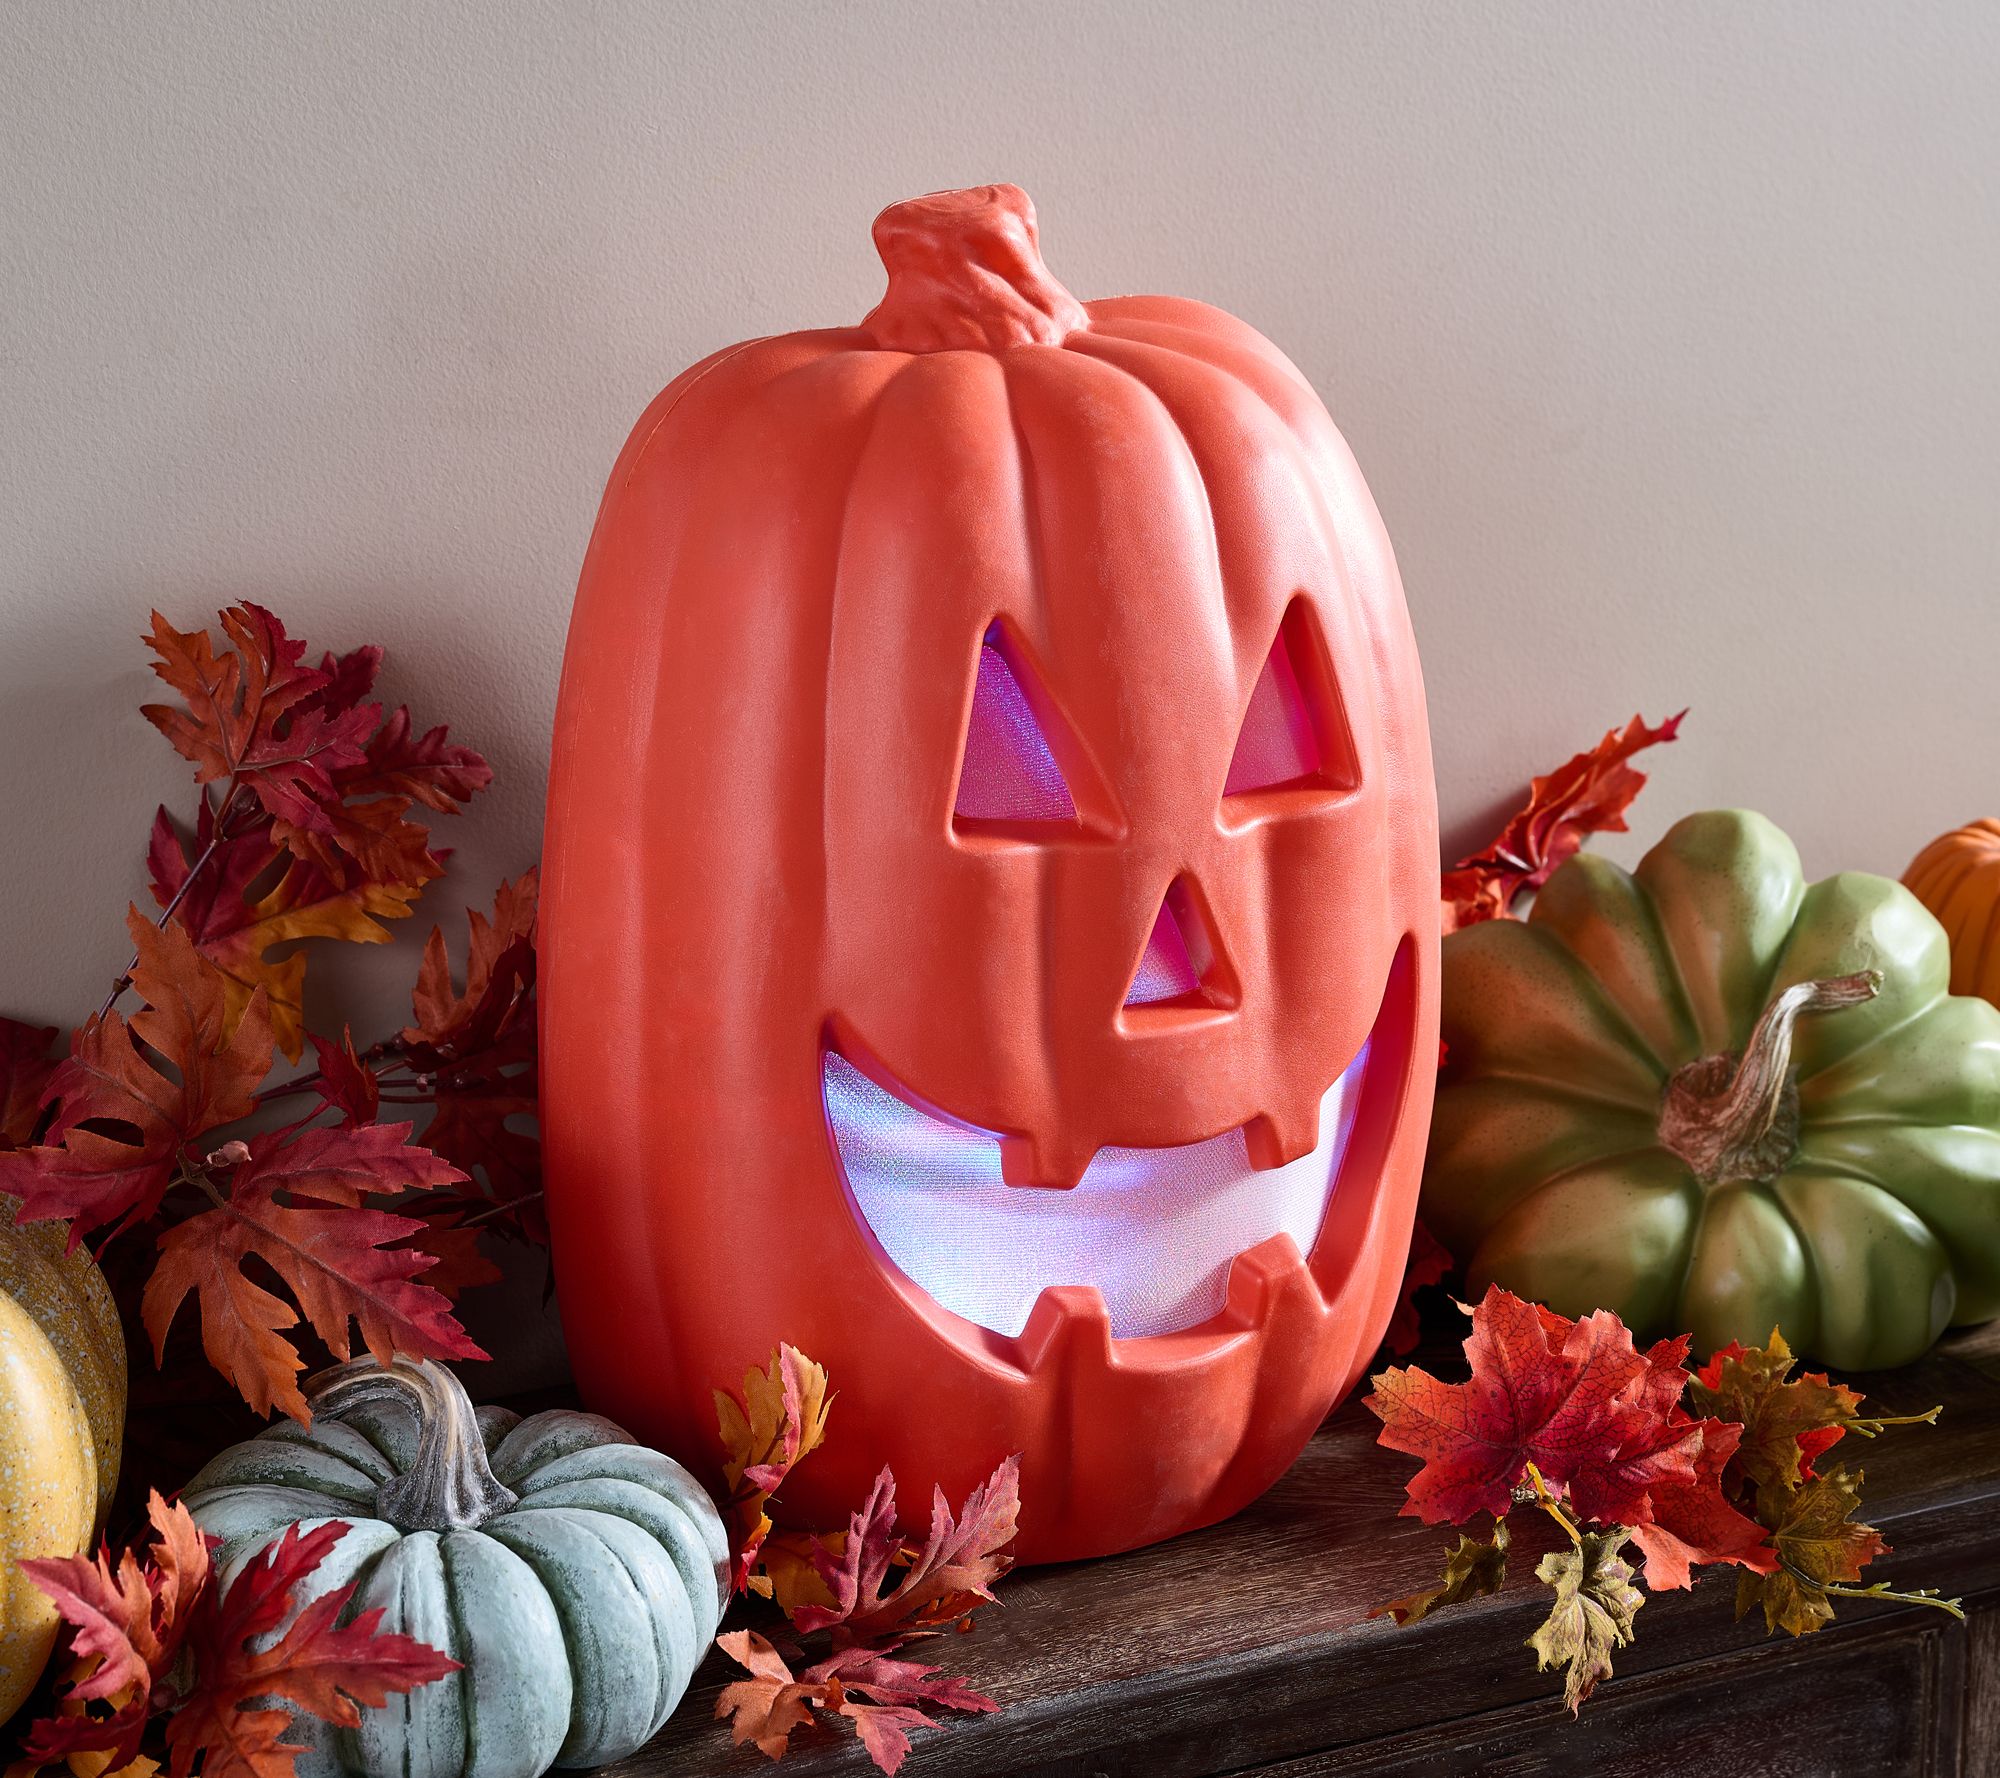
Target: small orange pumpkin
(1957, 876)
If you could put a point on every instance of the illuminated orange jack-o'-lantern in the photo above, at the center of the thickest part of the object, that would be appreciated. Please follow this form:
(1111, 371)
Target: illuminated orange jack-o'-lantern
(989, 935)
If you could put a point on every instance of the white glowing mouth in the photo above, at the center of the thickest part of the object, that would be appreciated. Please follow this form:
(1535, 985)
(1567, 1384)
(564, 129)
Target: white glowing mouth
(1153, 1229)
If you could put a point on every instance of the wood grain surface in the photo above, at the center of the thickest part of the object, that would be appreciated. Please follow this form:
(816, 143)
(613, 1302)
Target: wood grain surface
(1247, 1647)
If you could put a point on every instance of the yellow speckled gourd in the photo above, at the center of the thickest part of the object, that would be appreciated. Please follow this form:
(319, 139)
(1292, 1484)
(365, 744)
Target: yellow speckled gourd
(1957, 876)
(62, 1415)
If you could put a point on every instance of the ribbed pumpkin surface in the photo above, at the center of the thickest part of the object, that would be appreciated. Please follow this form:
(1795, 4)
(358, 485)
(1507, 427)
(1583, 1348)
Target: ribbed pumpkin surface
(48, 1491)
(71, 1303)
(1957, 876)
(580, 1610)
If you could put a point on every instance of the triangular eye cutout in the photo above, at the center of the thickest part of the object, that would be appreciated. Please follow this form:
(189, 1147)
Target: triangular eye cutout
(1020, 759)
(1181, 964)
(1008, 772)
(1294, 733)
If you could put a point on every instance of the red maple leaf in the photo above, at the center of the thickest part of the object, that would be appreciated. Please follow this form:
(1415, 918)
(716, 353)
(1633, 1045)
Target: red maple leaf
(337, 1255)
(1543, 1390)
(1588, 794)
(1603, 1424)
(1665, 1481)
(1693, 1521)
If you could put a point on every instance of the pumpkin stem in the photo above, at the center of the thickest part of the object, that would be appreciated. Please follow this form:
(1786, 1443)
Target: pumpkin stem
(1737, 1117)
(966, 273)
(449, 1486)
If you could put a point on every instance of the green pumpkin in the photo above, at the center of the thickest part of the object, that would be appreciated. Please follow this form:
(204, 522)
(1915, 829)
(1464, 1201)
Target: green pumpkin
(578, 1576)
(1717, 1100)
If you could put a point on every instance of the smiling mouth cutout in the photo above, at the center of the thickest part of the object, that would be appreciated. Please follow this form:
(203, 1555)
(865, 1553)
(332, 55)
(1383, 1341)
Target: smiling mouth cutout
(1154, 1230)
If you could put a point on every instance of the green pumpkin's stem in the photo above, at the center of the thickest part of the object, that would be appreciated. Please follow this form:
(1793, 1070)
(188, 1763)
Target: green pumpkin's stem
(1737, 1117)
(449, 1486)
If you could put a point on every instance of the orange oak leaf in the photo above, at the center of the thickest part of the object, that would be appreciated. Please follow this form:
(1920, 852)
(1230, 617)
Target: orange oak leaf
(331, 777)
(335, 1254)
(458, 1262)
(122, 1125)
(346, 1082)
(499, 970)
(129, 1624)
(1543, 1389)
(316, 1664)
(186, 1018)
(371, 838)
(784, 1572)
(770, 1704)
(238, 934)
(246, 719)
(427, 768)
(1588, 794)
(880, 1696)
(476, 1050)
(779, 1420)
(950, 1575)
(885, 1730)
(26, 1063)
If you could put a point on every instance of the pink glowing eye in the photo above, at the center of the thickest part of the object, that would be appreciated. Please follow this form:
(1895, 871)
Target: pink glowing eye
(1293, 732)
(1009, 772)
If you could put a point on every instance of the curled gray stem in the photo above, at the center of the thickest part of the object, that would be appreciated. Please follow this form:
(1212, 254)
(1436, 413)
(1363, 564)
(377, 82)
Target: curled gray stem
(449, 1486)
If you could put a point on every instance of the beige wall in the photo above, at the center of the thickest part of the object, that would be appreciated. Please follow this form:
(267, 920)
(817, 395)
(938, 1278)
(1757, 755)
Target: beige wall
(1665, 333)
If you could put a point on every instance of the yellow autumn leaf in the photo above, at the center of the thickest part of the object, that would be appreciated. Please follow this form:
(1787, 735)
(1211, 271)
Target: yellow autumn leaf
(781, 1417)
(304, 904)
(785, 1572)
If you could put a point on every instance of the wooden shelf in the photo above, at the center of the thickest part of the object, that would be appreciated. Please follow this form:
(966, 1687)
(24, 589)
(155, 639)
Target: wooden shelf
(1247, 1647)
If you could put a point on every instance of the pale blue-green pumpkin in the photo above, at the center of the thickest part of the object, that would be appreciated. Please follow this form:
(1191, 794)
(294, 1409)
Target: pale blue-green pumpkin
(578, 1576)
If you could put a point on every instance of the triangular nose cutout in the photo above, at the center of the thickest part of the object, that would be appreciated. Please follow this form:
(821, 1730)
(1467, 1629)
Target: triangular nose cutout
(1181, 963)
